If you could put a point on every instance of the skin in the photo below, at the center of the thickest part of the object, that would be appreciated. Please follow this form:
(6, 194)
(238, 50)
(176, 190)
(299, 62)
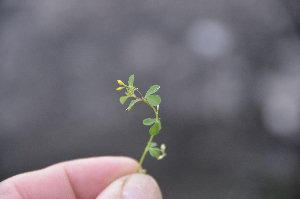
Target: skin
(90, 178)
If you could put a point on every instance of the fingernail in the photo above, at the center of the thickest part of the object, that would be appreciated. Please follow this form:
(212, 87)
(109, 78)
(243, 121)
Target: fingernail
(140, 186)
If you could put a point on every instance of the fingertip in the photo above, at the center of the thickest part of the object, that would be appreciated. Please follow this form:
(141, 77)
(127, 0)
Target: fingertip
(8, 191)
(135, 186)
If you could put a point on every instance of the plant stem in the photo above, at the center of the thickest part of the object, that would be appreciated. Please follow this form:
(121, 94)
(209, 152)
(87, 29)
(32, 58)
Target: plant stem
(145, 153)
(147, 148)
(155, 111)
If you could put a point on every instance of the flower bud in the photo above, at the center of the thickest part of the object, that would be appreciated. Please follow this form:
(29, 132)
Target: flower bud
(119, 88)
(163, 147)
(120, 82)
(161, 156)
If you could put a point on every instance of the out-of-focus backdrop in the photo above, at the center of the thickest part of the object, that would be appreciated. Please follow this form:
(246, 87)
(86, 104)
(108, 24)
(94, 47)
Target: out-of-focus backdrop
(229, 73)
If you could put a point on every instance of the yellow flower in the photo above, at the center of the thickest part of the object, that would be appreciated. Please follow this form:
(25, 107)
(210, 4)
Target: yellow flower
(119, 88)
(120, 82)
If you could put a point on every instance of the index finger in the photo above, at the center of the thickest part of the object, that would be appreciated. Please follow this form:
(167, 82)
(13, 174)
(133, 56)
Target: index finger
(82, 178)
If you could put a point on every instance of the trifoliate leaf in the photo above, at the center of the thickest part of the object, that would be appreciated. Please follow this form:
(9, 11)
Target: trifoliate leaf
(154, 130)
(152, 89)
(148, 121)
(154, 152)
(154, 100)
(131, 105)
(123, 99)
(153, 144)
(131, 80)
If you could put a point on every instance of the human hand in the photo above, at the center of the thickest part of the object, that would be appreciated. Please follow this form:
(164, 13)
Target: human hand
(90, 178)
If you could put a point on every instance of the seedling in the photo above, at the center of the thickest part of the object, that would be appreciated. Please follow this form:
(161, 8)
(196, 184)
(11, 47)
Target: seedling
(153, 101)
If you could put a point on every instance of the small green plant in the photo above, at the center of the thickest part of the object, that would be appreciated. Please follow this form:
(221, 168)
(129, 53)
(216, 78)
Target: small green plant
(153, 101)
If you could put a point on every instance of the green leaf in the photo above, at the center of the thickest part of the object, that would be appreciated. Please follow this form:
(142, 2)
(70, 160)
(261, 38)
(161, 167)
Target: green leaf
(131, 80)
(153, 144)
(159, 124)
(154, 130)
(152, 89)
(123, 99)
(148, 121)
(154, 152)
(131, 105)
(154, 100)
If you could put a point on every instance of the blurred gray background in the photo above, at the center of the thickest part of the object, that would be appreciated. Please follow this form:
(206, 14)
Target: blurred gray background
(229, 73)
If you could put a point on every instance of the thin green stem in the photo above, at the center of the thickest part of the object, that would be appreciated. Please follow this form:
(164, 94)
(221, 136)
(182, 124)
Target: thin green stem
(145, 153)
(147, 148)
(155, 111)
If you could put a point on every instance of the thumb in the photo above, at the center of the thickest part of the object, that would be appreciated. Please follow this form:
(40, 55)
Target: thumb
(135, 186)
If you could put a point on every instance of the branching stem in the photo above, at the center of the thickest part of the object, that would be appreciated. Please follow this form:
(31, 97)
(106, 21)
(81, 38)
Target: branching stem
(153, 101)
(147, 148)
